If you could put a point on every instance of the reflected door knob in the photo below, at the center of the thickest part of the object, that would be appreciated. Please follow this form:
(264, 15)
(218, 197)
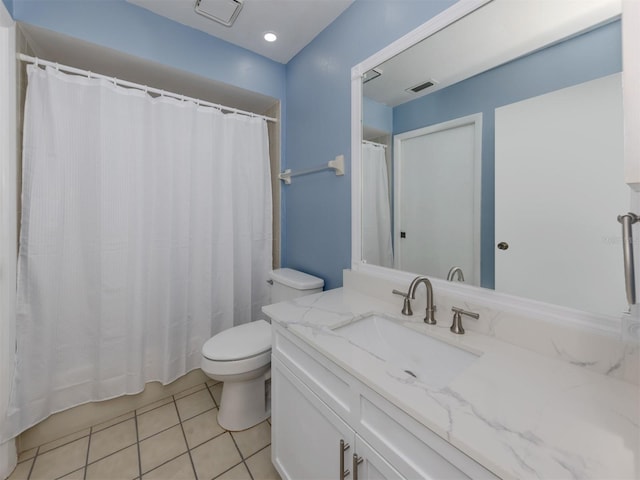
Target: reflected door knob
(503, 246)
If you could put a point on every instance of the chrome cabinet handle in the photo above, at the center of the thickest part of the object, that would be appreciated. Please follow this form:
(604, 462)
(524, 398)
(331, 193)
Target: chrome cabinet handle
(627, 221)
(343, 448)
(356, 461)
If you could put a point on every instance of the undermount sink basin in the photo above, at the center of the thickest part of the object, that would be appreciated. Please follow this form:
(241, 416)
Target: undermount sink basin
(431, 361)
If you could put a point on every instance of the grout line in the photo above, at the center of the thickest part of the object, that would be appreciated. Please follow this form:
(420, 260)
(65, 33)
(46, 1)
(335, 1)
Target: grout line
(64, 444)
(207, 440)
(258, 451)
(154, 408)
(241, 455)
(163, 463)
(112, 425)
(135, 420)
(231, 468)
(69, 473)
(212, 397)
(184, 435)
(34, 463)
(111, 454)
(86, 460)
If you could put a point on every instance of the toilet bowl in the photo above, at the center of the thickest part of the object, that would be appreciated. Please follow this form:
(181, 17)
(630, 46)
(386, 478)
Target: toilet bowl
(240, 357)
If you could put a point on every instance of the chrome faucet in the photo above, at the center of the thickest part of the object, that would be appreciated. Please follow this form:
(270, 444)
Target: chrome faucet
(453, 272)
(431, 308)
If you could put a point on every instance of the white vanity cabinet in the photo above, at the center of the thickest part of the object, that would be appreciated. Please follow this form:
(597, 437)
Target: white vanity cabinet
(316, 405)
(311, 442)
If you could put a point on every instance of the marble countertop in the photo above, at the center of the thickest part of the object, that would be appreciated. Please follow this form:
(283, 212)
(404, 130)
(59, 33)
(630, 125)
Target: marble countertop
(518, 413)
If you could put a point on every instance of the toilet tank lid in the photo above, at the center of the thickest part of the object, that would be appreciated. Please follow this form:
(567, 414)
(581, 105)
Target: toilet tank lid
(296, 279)
(241, 341)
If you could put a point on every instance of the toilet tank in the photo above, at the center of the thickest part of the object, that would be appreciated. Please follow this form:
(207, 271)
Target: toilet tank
(289, 284)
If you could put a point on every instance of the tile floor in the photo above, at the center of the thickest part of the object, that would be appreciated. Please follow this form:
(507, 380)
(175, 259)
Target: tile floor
(175, 438)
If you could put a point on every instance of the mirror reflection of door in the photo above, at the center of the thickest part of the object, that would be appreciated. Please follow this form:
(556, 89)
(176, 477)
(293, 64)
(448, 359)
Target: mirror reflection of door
(559, 161)
(437, 198)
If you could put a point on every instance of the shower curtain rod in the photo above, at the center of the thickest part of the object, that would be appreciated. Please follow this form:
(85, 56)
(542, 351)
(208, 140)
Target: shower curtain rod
(374, 144)
(124, 83)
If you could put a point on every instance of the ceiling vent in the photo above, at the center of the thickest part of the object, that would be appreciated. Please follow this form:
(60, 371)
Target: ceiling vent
(422, 86)
(371, 74)
(224, 12)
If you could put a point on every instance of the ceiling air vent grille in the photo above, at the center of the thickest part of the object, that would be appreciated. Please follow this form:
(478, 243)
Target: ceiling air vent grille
(224, 12)
(422, 86)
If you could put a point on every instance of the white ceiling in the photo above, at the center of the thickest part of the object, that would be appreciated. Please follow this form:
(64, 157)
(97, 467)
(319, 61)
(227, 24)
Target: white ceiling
(296, 22)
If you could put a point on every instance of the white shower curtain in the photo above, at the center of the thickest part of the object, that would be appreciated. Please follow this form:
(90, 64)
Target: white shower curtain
(146, 229)
(376, 213)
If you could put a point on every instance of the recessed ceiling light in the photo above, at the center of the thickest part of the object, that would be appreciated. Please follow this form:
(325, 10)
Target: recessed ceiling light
(270, 37)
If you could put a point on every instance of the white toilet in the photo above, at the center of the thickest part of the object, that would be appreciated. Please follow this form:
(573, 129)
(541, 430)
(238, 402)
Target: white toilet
(241, 357)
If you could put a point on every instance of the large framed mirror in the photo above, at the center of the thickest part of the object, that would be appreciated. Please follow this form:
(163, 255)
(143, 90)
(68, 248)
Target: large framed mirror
(488, 154)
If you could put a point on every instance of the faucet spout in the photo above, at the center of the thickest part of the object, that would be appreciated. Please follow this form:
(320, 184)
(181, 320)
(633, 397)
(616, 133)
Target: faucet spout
(431, 308)
(452, 273)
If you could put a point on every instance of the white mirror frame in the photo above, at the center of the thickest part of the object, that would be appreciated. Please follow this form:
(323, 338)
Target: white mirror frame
(610, 325)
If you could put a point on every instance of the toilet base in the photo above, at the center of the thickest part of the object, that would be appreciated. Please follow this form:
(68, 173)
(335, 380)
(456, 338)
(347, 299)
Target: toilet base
(244, 404)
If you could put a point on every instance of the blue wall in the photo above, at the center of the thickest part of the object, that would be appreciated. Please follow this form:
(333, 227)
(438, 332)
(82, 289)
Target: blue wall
(317, 227)
(583, 58)
(128, 28)
(377, 115)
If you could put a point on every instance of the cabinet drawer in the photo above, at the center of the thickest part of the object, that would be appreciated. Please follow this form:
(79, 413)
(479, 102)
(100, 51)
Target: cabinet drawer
(322, 380)
(402, 448)
(410, 447)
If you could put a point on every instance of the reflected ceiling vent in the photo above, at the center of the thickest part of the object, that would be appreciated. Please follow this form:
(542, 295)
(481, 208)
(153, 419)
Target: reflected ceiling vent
(423, 86)
(371, 74)
(224, 12)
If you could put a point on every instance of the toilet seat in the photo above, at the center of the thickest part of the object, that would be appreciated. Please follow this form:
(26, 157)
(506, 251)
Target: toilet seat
(239, 349)
(236, 343)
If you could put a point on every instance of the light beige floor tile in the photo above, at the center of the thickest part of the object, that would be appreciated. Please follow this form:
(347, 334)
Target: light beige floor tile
(77, 475)
(21, 472)
(162, 447)
(60, 461)
(112, 422)
(215, 457)
(112, 439)
(202, 427)
(153, 405)
(191, 390)
(27, 454)
(254, 439)
(216, 391)
(157, 420)
(238, 472)
(61, 441)
(261, 467)
(121, 465)
(194, 404)
(178, 469)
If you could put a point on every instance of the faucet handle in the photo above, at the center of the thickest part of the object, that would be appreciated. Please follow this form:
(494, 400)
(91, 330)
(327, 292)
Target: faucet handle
(456, 326)
(406, 306)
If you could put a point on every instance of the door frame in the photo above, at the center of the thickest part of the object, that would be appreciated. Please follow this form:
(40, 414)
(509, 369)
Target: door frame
(8, 223)
(474, 120)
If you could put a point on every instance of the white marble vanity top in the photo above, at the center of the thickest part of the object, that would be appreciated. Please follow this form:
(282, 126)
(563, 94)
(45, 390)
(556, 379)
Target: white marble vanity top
(518, 413)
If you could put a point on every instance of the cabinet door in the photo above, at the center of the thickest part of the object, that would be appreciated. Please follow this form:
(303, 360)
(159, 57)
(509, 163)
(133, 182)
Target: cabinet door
(305, 433)
(372, 466)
